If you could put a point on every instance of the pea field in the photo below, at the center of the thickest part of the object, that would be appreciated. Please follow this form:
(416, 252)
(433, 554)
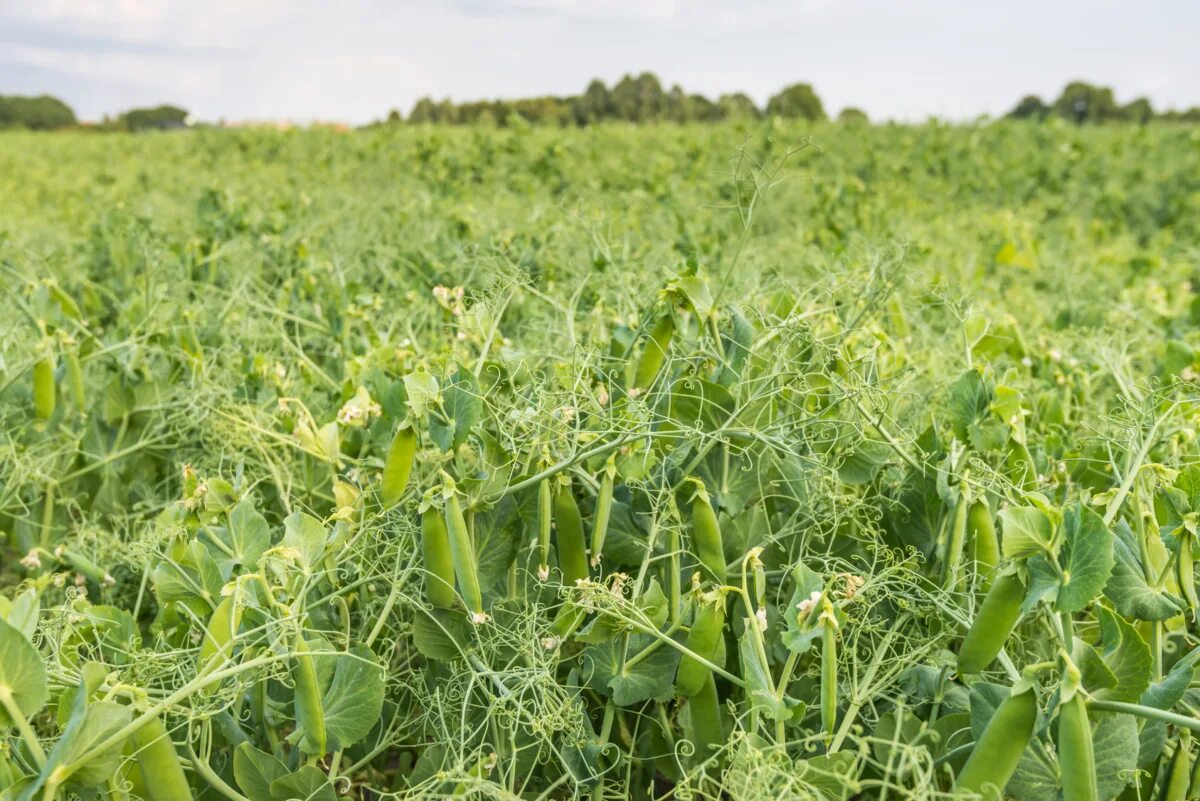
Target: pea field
(737, 461)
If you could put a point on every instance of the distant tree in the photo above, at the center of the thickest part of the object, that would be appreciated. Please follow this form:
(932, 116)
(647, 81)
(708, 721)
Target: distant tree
(853, 116)
(394, 117)
(639, 99)
(158, 117)
(737, 106)
(423, 111)
(594, 105)
(1081, 102)
(797, 100)
(1030, 107)
(41, 113)
(1139, 111)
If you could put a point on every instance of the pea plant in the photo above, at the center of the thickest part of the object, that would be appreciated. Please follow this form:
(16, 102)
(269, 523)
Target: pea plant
(331, 526)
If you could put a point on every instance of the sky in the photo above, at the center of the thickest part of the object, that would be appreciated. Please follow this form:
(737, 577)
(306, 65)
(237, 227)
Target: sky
(353, 60)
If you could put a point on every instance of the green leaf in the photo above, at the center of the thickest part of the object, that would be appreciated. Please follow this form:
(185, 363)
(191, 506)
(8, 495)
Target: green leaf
(1127, 588)
(1025, 530)
(1163, 695)
(441, 634)
(832, 775)
(255, 770)
(306, 535)
(22, 673)
(653, 678)
(801, 633)
(1115, 743)
(462, 406)
(699, 404)
(249, 534)
(1089, 558)
(354, 700)
(1127, 656)
(22, 612)
(89, 725)
(1095, 674)
(864, 463)
(759, 686)
(1036, 777)
(422, 390)
(968, 401)
(306, 784)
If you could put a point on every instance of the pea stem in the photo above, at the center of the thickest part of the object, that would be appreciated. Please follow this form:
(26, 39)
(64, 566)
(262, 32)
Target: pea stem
(18, 719)
(1173, 718)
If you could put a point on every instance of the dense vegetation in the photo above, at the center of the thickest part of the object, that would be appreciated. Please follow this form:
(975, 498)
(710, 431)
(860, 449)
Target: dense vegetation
(613, 462)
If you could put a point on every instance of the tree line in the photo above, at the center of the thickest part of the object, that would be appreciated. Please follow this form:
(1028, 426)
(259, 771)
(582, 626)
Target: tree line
(637, 99)
(46, 113)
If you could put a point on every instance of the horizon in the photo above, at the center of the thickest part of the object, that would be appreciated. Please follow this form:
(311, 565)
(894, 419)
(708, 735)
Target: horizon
(263, 61)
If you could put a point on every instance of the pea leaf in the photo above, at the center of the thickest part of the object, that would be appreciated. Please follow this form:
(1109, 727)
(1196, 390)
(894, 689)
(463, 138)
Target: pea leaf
(462, 405)
(422, 391)
(650, 679)
(968, 400)
(1025, 530)
(22, 672)
(1127, 656)
(1163, 695)
(440, 633)
(255, 770)
(306, 535)
(307, 784)
(1115, 744)
(833, 775)
(800, 634)
(864, 463)
(22, 612)
(1089, 558)
(759, 687)
(1128, 589)
(1036, 777)
(249, 534)
(354, 700)
(699, 404)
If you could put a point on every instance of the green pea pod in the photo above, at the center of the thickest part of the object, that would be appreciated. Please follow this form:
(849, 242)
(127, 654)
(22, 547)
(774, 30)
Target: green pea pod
(310, 715)
(439, 564)
(829, 676)
(604, 500)
(462, 552)
(162, 776)
(1179, 771)
(85, 567)
(994, 758)
(1185, 572)
(1076, 758)
(397, 467)
(654, 354)
(544, 519)
(954, 548)
(995, 620)
(43, 388)
(704, 639)
(75, 381)
(985, 546)
(221, 630)
(706, 533)
(568, 529)
(704, 726)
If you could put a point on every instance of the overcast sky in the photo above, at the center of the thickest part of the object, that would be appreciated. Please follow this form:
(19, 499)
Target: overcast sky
(353, 60)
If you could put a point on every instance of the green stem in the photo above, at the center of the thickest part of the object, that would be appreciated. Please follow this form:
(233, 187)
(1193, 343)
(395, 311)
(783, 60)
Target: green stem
(18, 719)
(1150, 712)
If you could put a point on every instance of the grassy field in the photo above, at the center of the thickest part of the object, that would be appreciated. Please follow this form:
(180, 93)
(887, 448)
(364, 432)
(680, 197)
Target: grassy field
(734, 461)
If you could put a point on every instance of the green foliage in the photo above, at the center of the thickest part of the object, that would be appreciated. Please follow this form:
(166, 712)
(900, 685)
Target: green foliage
(41, 113)
(797, 100)
(278, 426)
